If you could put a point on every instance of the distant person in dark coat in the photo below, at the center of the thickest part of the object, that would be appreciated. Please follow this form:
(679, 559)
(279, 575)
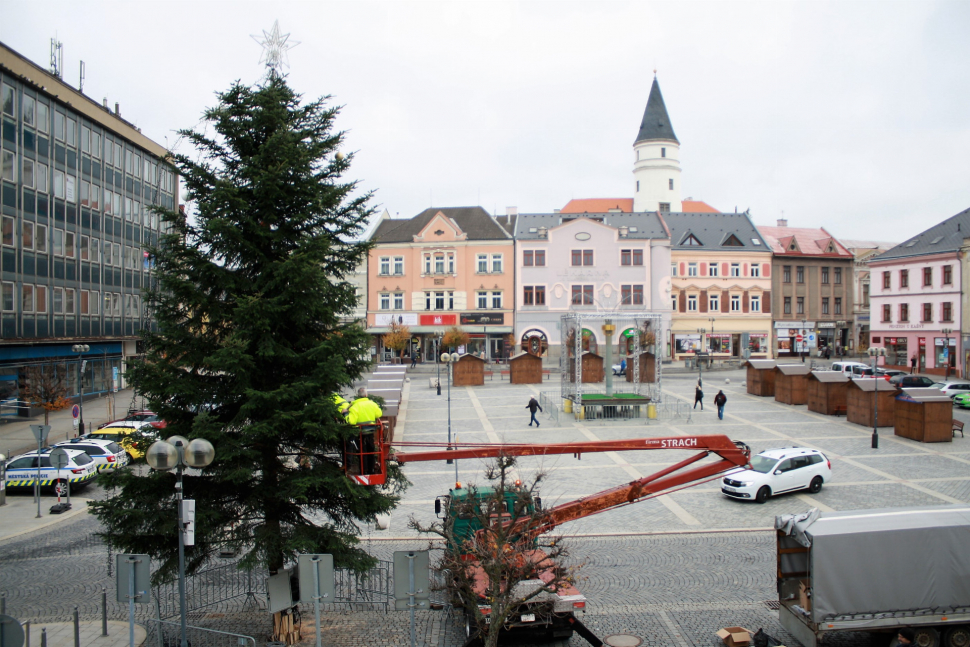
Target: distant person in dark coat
(912, 363)
(698, 397)
(532, 407)
(719, 401)
(414, 358)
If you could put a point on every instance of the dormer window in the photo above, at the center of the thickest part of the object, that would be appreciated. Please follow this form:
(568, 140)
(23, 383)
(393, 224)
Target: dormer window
(691, 241)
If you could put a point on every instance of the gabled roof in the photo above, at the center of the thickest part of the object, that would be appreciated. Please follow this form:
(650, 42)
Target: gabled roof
(601, 205)
(475, 222)
(645, 225)
(655, 123)
(598, 205)
(806, 242)
(713, 230)
(945, 237)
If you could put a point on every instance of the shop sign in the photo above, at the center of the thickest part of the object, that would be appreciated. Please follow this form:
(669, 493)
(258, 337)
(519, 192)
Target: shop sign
(438, 320)
(482, 318)
(794, 324)
(404, 319)
(826, 324)
(911, 326)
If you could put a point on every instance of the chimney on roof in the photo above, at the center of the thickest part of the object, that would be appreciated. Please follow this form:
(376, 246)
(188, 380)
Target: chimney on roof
(783, 222)
(555, 210)
(543, 232)
(117, 109)
(104, 103)
(509, 212)
(624, 231)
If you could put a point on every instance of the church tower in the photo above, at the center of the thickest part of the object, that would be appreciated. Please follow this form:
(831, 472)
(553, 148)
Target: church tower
(656, 169)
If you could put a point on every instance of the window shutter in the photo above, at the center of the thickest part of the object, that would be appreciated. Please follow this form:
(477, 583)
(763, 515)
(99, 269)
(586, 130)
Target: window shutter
(703, 269)
(724, 269)
(703, 306)
(683, 269)
(682, 301)
(766, 302)
(744, 269)
(725, 301)
(767, 271)
(744, 302)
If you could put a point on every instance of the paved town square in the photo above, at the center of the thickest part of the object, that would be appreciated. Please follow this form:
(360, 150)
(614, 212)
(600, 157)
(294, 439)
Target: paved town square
(671, 571)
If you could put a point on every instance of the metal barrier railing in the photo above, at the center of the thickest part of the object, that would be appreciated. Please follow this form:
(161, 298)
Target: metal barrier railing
(165, 633)
(550, 402)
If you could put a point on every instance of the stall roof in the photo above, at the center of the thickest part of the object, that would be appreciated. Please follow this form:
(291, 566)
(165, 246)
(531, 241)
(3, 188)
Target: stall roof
(794, 369)
(524, 353)
(869, 384)
(829, 376)
(480, 359)
(761, 364)
(924, 395)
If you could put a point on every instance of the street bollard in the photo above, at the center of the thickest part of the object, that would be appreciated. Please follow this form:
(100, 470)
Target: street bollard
(43, 637)
(104, 611)
(77, 629)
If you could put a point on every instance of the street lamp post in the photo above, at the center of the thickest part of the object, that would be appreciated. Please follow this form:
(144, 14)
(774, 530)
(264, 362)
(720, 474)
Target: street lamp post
(875, 354)
(700, 371)
(803, 342)
(710, 341)
(178, 453)
(946, 353)
(80, 349)
(450, 359)
(437, 363)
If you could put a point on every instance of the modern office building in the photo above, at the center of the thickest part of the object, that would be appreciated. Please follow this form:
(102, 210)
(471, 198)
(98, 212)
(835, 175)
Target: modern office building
(77, 184)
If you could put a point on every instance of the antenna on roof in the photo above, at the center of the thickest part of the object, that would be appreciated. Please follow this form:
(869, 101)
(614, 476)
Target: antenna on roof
(57, 57)
(80, 85)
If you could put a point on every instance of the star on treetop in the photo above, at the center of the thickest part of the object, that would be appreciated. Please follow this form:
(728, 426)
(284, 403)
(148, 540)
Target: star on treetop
(275, 45)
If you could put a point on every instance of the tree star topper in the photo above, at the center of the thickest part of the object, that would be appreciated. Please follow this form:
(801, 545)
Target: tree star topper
(275, 45)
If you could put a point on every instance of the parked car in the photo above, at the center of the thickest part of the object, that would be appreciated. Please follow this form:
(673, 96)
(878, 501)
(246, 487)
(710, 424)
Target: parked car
(133, 436)
(869, 372)
(846, 367)
(962, 400)
(139, 416)
(776, 471)
(21, 471)
(107, 454)
(619, 369)
(911, 381)
(953, 388)
(892, 372)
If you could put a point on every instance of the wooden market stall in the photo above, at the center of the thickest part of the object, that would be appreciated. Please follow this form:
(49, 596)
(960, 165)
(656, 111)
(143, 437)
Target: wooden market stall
(525, 368)
(925, 415)
(791, 383)
(761, 377)
(592, 365)
(469, 370)
(648, 367)
(861, 396)
(826, 392)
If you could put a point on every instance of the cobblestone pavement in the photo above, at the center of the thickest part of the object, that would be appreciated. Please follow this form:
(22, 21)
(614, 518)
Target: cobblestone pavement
(671, 570)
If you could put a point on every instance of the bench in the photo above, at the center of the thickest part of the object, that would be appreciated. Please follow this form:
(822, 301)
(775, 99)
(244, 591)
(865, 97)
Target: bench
(504, 373)
(958, 426)
(546, 372)
(840, 409)
(489, 374)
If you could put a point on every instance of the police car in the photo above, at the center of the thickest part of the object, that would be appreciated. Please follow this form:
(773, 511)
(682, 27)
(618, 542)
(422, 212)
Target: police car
(107, 454)
(21, 471)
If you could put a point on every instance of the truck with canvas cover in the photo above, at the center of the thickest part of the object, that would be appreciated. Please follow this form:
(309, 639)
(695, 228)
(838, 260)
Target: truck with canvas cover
(876, 571)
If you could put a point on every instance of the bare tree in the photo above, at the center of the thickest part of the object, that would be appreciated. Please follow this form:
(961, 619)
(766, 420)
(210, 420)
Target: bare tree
(47, 388)
(499, 564)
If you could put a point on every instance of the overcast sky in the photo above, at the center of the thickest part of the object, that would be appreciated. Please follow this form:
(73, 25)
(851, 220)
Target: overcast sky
(854, 116)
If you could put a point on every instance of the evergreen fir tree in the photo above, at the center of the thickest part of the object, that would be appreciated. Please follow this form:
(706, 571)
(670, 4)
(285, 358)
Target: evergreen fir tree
(250, 346)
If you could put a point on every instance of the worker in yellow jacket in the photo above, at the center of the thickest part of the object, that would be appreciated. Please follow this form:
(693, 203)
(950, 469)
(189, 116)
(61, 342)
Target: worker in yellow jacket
(342, 405)
(363, 410)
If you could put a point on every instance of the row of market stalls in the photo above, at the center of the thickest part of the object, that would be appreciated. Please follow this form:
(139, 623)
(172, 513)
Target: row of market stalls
(925, 415)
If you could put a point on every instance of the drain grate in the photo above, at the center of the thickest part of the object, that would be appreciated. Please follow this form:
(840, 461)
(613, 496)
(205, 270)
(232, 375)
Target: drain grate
(774, 605)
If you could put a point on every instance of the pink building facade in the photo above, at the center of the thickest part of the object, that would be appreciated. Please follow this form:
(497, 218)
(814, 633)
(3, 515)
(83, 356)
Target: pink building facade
(916, 310)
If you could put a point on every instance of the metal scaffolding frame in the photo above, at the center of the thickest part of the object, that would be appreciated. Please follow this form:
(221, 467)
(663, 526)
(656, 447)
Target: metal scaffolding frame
(571, 330)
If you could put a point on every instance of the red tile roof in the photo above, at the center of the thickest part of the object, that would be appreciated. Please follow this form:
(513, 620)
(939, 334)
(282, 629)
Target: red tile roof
(598, 205)
(697, 206)
(808, 242)
(603, 205)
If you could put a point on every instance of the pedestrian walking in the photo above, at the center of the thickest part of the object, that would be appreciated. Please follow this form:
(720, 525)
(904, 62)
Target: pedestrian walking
(414, 358)
(719, 401)
(912, 363)
(698, 397)
(532, 406)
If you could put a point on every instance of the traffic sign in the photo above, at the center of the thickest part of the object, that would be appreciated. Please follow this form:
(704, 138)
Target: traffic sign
(316, 570)
(11, 633)
(59, 458)
(40, 432)
(411, 565)
(799, 339)
(133, 578)
(75, 411)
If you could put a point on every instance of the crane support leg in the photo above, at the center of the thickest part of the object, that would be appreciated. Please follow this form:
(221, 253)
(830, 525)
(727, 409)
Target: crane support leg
(583, 631)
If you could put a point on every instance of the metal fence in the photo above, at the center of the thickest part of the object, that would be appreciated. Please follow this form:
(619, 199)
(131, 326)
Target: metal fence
(550, 402)
(163, 633)
(227, 582)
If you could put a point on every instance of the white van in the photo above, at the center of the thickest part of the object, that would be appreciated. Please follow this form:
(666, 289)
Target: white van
(846, 368)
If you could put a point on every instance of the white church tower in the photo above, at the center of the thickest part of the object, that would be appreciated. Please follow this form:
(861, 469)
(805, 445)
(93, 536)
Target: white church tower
(656, 169)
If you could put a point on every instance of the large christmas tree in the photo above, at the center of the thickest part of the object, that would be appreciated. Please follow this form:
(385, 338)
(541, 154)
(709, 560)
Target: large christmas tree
(250, 345)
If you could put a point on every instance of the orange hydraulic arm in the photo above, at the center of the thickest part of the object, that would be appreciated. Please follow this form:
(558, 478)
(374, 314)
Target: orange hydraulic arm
(732, 455)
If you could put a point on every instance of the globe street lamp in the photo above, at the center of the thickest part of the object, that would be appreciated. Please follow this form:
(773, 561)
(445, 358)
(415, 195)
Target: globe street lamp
(450, 359)
(875, 353)
(437, 364)
(80, 349)
(178, 453)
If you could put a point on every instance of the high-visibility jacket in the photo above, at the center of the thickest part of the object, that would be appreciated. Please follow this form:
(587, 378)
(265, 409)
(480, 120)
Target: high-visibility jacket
(342, 405)
(362, 411)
